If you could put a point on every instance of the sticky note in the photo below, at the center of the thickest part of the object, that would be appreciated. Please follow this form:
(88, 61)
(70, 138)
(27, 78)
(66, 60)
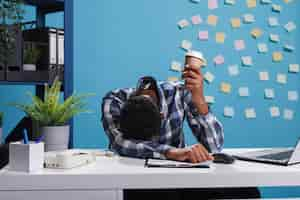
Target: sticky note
(209, 99)
(251, 3)
(288, 114)
(229, 2)
(277, 56)
(233, 70)
(239, 45)
(183, 23)
(212, 4)
(265, 1)
(248, 18)
(173, 79)
(186, 45)
(294, 68)
(247, 61)
(274, 38)
(219, 60)
(276, 8)
(288, 1)
(195, 1)
(176, 66)
(281, 78)
(288, 48)
(256, 32)
(244, 91)
(212, 20)
(209, 77)
(220, 37)
(228, 111)
(250, 113)
(290, 26)
(203, 35)
(274, 111)
(273, 21)
(225, 87)
(262, 48)
(269, 93)
(264, 76)
(235, 22)
(292, 95)
(196, 19)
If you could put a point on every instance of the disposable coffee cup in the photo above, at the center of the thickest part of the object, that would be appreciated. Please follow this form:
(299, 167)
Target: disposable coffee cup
(195, 58)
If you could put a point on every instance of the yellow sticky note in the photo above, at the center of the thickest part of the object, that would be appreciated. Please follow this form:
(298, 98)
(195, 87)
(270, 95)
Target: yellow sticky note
(220, 37)
(235, 22)
(288, 1)
(173, 79)
(212, 20)
(277, 56)
(225, 87)
(251, 3)
(256, 32)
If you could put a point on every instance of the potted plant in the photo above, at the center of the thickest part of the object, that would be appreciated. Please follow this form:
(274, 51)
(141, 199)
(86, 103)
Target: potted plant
(1, 123)
(52, 115)
(31, 55)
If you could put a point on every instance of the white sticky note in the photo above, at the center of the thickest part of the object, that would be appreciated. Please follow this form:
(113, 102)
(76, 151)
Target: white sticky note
(195, 1)
(276, 8)
(186, 45)
(203, 35)
(273, 21)
(212, 4)
(250, 113)
(256, 33)
(244, 91)
(289, 48)
(281, 78)
(269, 93)
(176, 66)
(228, 111)
(196, 19)
(265, 1)
(262, 48)
(290, 26)
(247, 61)
(229, 2)
(239, 45)
(274, 111)
(294, 68)
(219, 60)
(274, 38)
(248, 18)
(264, 76)
(292, 95)
(183, 23)
(209, 99)
(209, 77)
(288, 114)
(233, 70)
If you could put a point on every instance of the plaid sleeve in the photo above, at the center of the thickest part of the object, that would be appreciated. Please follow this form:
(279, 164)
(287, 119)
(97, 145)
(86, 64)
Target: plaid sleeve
(111, 108)
(206, 128)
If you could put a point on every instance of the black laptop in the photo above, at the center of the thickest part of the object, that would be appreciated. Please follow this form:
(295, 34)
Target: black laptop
(278, 156)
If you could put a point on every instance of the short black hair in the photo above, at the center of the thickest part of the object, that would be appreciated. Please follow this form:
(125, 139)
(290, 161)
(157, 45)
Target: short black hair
(140, 119)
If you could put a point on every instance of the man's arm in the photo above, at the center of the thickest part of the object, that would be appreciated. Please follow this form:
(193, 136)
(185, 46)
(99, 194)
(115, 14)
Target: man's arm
(111, 109)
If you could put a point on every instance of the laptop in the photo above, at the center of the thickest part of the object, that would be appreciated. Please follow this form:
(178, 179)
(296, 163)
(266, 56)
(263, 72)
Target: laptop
(278, 156)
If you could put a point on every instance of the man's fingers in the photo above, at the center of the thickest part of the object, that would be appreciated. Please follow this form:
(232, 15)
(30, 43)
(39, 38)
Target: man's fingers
(198, 154)
(192, 157)
(205, 152)
(192, 68)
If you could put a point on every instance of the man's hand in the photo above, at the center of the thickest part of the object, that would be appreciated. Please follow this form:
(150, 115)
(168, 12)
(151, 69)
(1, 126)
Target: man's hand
(195, 154)
(194, 83)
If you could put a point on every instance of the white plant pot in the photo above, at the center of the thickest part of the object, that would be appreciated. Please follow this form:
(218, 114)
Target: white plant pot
(1, 135)
(56, 138)
(29, 67)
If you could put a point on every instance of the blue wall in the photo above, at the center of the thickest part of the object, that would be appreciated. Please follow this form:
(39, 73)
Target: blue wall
(115, 42)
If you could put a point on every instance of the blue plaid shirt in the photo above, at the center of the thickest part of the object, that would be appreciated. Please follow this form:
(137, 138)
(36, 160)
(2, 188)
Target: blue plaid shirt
(175, 105)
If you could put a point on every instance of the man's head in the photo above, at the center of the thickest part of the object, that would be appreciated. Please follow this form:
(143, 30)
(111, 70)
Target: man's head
(140, 116)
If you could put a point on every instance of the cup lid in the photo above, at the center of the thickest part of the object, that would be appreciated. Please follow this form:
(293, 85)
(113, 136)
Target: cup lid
(196, 54)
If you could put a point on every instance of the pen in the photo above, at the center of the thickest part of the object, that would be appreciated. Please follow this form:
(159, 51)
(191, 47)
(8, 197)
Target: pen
(177, 166)
(40, 139)
(25, 135)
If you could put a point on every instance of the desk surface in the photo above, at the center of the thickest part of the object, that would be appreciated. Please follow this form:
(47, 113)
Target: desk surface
(125, 173)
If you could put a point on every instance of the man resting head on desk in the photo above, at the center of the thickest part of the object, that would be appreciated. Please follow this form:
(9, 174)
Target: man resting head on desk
(147, 121)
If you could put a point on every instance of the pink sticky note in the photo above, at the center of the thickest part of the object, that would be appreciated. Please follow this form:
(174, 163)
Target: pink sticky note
(203, 35)
(239, 45)
(219, 60)
(212, 4)
(196, 19)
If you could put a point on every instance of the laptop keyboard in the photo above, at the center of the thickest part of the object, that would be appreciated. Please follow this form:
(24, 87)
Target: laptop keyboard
(278, 156)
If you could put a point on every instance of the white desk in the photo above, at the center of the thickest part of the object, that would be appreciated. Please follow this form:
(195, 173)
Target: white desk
(106, 178)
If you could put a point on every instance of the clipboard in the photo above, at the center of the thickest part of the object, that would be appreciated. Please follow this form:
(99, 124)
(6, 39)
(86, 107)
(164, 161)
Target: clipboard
(157, 163)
